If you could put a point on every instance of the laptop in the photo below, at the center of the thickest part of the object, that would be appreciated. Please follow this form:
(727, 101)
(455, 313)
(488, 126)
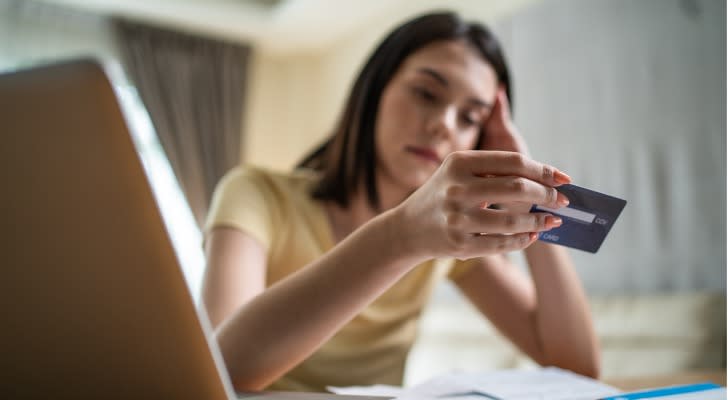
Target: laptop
(93, 301)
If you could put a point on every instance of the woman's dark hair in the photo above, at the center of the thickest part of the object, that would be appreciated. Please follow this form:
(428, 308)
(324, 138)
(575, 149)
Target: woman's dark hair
(349, 155)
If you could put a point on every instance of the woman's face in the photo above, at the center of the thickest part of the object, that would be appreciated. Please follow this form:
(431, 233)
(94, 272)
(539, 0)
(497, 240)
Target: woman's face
(435, 104)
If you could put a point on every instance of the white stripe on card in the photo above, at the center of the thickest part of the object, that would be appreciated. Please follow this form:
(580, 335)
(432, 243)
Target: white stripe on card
(570, 213)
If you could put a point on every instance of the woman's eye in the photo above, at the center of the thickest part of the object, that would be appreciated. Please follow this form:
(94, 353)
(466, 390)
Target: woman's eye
(469, 120)
(425, 94)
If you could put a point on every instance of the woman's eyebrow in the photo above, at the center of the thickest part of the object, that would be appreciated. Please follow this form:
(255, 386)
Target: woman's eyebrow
(481, 103)
(444, 82)
(435, 75)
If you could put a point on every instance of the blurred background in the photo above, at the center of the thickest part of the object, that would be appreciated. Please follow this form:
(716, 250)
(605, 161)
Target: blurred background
(627, 96)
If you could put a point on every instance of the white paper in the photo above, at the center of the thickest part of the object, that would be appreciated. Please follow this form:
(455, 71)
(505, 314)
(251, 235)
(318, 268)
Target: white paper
(373, 390)
(541, 384)
(440, 387)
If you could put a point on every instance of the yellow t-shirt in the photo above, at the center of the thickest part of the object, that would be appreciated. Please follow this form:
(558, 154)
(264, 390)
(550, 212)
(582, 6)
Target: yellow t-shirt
(278, 210)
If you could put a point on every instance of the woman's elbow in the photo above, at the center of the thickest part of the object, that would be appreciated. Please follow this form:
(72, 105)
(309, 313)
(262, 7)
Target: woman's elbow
(590, 369)
(588, 365)
(247, 380)
(243, 385)
(591, 364)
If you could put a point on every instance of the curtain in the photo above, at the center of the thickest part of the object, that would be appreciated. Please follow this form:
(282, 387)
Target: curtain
(193, 89)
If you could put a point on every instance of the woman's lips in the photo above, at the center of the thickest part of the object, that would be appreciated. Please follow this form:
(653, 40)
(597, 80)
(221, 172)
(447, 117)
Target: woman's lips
(424, 152)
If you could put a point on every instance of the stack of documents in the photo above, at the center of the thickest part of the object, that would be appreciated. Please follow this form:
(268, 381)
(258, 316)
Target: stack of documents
(541, 384)
(546, 383)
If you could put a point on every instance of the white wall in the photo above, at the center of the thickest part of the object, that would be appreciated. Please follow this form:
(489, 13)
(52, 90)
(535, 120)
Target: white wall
(629, 98)
(32, 32)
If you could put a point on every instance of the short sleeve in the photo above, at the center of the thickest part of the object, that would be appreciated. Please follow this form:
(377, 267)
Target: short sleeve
(460, 267)
(242, 200)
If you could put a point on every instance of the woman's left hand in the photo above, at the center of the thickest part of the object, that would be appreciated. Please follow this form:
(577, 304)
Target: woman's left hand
(500, 133)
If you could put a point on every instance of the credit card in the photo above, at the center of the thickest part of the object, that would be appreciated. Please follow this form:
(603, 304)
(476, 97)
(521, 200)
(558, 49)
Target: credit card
(586, 220)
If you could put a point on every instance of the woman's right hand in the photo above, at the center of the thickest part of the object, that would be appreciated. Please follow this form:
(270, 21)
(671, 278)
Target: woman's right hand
(448, 215)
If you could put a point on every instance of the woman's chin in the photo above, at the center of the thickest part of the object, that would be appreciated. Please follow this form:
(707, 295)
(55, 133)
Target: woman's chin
(410, 177)
(414, 180)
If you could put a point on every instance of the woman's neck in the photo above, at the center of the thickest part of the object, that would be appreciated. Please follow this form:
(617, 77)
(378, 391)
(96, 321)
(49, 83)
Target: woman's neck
(346, 220)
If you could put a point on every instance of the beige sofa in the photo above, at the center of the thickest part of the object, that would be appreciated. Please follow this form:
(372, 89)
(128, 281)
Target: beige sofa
(643, 335)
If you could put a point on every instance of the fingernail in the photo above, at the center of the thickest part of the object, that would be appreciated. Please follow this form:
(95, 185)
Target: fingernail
(562, 200)
(553, 221)
(533, 236)
(561, 178)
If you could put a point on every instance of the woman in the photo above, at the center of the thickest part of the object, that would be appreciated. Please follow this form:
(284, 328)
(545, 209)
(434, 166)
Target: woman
(318, 277)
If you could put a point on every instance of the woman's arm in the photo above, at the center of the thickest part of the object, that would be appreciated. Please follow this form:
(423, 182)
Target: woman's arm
(235, 273)
(563, 317)
(547, 317)
(264, 333)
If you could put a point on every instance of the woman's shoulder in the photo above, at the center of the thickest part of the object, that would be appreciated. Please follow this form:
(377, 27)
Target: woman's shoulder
(270, 180)
(255, 172)
(250, 195)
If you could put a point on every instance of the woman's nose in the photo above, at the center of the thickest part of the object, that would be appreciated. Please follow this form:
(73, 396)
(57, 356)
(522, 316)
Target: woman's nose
(444, 122)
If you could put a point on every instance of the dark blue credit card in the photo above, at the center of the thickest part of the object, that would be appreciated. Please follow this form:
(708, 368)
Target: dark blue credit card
(586, 220)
